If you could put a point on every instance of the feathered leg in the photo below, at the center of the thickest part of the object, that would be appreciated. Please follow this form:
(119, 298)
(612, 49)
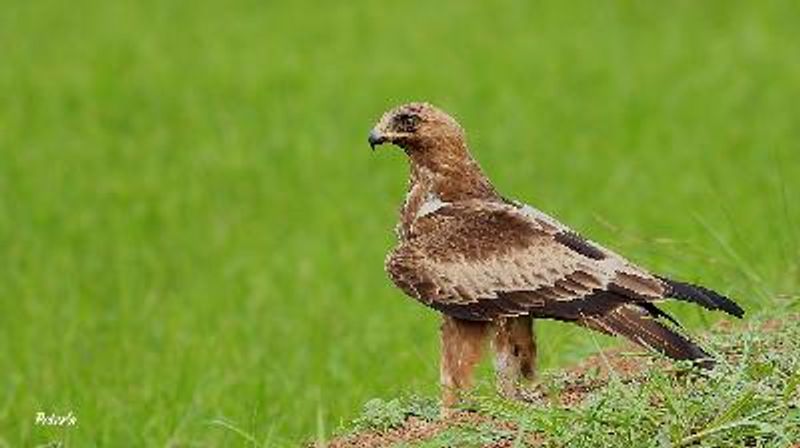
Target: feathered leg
(515, 354)
(463, 342)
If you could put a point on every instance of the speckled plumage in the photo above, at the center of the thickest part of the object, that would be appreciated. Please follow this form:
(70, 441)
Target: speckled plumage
(476, 256)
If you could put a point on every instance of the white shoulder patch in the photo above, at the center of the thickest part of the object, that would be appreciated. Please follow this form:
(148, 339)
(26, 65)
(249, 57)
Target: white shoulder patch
(431, 204)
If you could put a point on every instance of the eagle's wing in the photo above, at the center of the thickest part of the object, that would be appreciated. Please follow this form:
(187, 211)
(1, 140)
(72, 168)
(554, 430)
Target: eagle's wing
(479, 260)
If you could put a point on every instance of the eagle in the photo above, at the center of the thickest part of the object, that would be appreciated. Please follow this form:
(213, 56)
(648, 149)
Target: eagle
(491, 265)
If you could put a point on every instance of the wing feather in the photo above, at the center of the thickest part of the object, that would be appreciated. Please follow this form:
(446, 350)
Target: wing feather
(480, 255)
(638, 325)
(480, 260)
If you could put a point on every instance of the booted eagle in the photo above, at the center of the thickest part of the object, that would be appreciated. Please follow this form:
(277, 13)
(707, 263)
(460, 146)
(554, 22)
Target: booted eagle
(490, 264)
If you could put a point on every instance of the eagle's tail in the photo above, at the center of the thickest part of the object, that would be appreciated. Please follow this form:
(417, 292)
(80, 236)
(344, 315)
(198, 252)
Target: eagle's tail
(702, 296)
(641, 327)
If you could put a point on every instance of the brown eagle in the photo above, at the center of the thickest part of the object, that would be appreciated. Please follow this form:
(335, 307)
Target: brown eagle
(490, 264)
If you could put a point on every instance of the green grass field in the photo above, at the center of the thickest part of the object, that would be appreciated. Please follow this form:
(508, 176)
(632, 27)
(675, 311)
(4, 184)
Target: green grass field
(193, 228)
(620, 398)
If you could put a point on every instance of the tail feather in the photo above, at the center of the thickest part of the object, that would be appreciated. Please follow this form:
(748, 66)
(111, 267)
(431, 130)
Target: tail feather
(658, 312)
(638, 326)
(703, 296)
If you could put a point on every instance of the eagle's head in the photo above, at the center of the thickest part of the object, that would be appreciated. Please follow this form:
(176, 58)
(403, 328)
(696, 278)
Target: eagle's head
(417, 127)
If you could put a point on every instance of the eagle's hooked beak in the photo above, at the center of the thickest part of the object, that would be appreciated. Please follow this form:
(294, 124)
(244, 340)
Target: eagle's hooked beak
(375, 139)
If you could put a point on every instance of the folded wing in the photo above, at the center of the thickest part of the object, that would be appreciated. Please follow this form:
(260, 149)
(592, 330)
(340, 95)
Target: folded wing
(480, 260)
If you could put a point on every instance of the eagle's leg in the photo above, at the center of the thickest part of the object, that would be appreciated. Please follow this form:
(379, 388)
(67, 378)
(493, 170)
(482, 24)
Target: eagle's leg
(515, 355)
(463, 343)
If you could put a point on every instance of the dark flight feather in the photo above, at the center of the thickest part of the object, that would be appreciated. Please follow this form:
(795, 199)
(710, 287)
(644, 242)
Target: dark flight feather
(701, 296)
(658, 312)
(638, 327)
(579, 245)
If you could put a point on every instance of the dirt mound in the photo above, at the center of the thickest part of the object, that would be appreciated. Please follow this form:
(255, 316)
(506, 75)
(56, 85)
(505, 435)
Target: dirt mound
(579, 381)
(416, 429)
(565, 389)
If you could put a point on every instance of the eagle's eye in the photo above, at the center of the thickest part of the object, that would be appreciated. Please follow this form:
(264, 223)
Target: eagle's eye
(406, 122)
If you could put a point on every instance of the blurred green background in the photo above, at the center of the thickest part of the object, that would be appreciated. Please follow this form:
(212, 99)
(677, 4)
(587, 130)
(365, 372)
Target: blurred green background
(193, 228)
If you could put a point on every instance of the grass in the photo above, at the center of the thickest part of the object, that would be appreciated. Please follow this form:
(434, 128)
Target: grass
(192, 228)
(750, 399)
